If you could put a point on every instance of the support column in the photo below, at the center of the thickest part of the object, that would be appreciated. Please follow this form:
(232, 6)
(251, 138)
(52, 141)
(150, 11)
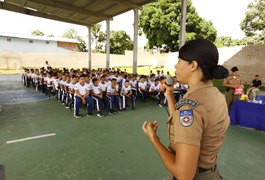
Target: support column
(108, 44)
(183, 23)
(89, 47)
(135, 41)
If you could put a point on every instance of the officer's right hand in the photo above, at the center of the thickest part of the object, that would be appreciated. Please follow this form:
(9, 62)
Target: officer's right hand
(150, 129)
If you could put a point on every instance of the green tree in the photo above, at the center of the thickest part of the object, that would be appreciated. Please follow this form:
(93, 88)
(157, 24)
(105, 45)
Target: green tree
(254, 20)
(73, 34)
(254, 23)
(51, 35)
(99, 38)
(37, 33)
(70, 33)
(227, 41)
(120, 41)
(160, 22)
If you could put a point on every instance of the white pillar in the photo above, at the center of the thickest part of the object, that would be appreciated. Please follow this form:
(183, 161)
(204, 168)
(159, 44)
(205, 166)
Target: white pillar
(89, 47)
(183, 23)
(108, 44)
(135, 41)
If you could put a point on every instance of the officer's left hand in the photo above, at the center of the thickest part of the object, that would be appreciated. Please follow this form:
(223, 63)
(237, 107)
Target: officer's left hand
(150, 128)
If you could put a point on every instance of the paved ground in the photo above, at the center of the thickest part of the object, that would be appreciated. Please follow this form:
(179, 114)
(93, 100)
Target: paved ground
(108, 148)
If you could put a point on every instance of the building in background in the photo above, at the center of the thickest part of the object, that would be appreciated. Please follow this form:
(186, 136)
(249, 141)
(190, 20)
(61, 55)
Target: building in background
(39, 44)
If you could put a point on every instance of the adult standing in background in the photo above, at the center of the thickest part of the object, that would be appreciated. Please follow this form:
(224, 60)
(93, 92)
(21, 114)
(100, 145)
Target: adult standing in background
(254, 86)
(198, 122)
(232, 82)
(47, 65)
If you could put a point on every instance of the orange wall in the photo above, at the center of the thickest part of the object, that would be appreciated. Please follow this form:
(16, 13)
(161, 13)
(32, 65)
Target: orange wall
(68, 45)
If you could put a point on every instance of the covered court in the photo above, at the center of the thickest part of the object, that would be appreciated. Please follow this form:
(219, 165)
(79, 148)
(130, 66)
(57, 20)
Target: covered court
(108, 148)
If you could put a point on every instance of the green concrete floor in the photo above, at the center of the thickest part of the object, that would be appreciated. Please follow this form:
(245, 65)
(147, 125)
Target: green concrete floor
(108, 148)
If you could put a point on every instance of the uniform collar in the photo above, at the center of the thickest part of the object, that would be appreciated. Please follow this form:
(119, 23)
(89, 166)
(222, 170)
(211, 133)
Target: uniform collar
(198, 86)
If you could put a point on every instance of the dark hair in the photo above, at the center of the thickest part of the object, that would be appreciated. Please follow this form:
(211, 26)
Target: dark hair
(206, 55)
(94, 80)
(234, 69)
(113, 79)
(256, 75)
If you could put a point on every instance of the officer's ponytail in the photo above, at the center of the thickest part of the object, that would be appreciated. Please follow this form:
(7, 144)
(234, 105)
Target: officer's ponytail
(206, 55)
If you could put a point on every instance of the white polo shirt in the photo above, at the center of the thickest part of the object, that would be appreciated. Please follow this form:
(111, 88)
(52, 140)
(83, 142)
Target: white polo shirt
(82, 89)
(96, 89)
(112, 90)
(155, 87)
(126, 90)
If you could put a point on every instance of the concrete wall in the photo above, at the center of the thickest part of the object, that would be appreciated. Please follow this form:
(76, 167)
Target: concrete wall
(250, 61)
(23, 45)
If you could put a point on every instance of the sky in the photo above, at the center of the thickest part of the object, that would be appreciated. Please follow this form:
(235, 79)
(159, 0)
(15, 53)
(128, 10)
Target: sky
(225, 15)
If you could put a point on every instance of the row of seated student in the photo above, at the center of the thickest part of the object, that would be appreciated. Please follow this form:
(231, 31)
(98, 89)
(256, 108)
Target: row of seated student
(99, 89)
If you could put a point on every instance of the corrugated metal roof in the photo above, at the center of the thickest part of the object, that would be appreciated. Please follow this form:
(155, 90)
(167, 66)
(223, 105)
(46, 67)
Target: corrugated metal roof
(42, 38)
(82, 12)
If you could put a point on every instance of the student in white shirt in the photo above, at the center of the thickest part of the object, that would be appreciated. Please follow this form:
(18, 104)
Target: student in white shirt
(114, 98)
(142, 88)
(127, 95)
(81, 95)
(97, 96)
(103, 84)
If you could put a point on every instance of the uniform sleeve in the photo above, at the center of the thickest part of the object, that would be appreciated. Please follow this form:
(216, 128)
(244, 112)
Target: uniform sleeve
(188, 126)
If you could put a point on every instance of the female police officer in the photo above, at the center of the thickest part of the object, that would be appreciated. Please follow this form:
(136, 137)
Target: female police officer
(197, 123)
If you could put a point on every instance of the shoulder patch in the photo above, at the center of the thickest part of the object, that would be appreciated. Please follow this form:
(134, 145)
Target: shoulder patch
(187, 102)
(186, 118)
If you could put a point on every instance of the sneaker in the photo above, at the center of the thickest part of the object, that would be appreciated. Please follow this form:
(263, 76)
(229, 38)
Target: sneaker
(77, 116)
(100, 114)
(160, 105)
(67, 107)
(110, 113)
(133, 108)
(89, 114)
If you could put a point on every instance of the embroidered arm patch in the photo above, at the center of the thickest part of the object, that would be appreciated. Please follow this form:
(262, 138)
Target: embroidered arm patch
(186, 118)
(187, 102)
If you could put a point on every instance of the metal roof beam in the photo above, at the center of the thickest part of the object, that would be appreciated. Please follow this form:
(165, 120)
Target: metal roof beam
(127, 4)
(19, 9)
(64, 6)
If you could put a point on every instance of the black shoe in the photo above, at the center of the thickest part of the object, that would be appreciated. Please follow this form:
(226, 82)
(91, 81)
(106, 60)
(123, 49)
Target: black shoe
(100, 114)
(133, 108)
(89, 114)
(77, 116)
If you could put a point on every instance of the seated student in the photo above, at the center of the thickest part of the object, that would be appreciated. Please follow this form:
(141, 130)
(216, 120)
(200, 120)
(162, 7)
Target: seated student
(177, 91)
(72, 90)
(82, 93)
(254, 86)
(127, 95)
(133, 83)
(114, 98)
(103, 84)
(48, 83)
(62, 89)
(154, 90)
(142, 88)
(97, 96)
(67, 91)
(162, 98)
(55, 84)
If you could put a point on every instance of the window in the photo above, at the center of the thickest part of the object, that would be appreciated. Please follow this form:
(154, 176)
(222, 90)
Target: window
(47, 42)
(8, 39)
(30, 41)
